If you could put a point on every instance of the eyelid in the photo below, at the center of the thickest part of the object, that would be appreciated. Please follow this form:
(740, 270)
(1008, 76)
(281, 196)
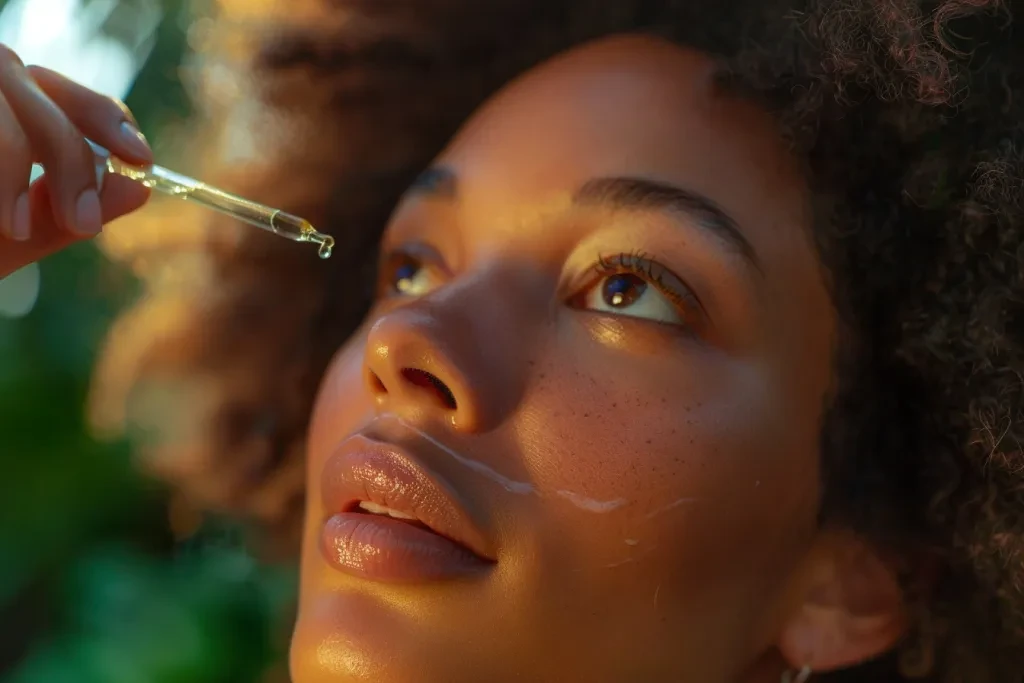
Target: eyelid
(420, 251)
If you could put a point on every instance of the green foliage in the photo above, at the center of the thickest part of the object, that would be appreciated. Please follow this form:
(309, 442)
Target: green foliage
(93, 588)
(130, 618)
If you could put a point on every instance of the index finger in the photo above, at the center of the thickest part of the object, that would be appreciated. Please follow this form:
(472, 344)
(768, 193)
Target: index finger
(100, 118)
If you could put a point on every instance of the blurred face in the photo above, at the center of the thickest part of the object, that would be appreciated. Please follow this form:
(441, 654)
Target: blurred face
(576, 438)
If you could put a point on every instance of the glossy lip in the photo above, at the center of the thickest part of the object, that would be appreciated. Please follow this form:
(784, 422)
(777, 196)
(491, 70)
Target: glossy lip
(380, 547)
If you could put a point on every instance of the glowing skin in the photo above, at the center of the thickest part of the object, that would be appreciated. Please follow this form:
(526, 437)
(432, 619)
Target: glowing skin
(643, 470)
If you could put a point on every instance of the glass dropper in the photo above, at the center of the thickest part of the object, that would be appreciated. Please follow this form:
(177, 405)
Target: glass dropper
(174, 184)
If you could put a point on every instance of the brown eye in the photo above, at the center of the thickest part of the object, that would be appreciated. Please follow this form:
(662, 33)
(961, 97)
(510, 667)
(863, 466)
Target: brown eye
(630, 295)
(404, 278)
(622, 290)
(404, 274)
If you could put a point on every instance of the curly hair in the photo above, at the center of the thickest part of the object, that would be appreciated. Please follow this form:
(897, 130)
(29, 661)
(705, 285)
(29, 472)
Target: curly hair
(909, 116)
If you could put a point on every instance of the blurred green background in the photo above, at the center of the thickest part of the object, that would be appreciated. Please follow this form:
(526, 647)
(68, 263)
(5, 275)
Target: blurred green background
(94, 586)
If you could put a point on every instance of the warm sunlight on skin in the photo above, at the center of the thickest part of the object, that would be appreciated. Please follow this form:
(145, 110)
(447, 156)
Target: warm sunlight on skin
(598, 363)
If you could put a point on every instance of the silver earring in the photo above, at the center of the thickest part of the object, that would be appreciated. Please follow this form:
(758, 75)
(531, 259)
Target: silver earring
(800, 676)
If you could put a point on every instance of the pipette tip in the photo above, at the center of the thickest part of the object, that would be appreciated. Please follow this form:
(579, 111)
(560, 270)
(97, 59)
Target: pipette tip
(326, 243)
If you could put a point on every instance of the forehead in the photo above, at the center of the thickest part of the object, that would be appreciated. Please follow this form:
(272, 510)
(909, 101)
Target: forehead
(599, 108)
(630, 106)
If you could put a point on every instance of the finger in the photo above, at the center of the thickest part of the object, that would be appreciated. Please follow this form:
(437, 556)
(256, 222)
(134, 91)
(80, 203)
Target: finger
(69, 162)
(47, 238)
(15, 221)
(101, 119)
(119, 197)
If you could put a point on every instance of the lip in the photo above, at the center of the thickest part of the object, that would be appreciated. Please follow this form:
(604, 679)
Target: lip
(444, 541)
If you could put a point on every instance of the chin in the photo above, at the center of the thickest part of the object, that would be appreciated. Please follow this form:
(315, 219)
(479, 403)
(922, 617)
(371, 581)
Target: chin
(363, 633)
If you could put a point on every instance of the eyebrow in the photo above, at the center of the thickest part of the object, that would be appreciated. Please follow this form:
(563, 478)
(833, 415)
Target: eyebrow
(625, 193)
(436, 181)
(640, 194)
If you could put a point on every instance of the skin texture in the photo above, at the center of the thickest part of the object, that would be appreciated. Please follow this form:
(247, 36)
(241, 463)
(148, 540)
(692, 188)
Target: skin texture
(669, 532)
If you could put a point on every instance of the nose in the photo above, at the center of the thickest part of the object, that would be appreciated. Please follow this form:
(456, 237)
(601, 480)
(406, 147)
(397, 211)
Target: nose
(445, 359)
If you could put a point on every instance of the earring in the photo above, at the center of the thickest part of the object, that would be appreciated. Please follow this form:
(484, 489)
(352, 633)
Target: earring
(800, 676)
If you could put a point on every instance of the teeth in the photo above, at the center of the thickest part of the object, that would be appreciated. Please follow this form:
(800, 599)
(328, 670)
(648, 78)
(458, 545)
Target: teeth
(375, 509)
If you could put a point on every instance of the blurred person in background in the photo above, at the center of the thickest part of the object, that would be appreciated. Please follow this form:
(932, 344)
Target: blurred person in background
(693, 354)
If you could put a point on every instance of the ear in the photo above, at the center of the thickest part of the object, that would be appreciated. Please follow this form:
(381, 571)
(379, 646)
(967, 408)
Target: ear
(851, 607)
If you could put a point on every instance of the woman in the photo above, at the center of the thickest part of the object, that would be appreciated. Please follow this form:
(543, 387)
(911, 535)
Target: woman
(694, 355)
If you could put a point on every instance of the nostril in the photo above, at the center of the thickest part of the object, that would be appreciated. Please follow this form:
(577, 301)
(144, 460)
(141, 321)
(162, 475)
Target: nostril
(376, 385)
(422, 378)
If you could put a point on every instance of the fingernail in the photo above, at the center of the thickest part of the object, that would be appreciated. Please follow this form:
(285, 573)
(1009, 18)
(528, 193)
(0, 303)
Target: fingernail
(21, 226)
(134, 139)
(88, 219)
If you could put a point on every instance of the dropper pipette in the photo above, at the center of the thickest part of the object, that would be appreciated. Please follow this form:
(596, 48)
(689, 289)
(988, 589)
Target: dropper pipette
(174, 184)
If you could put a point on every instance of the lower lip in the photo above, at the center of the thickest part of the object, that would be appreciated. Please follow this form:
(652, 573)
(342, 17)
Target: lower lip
(381, 548)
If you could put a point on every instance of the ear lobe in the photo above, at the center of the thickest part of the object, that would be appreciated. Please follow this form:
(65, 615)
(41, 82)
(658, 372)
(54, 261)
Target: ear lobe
(852, 610)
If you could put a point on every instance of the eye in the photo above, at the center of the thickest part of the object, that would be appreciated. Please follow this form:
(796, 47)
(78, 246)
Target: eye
(628, 294)
(633, 286)
(404, 273)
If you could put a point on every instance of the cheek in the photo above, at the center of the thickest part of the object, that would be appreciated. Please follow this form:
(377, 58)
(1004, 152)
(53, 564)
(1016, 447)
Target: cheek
(671, 469)
(343, 402)
(342, 406)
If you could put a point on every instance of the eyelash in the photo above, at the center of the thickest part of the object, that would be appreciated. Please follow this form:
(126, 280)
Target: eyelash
(635, 263)
(638, 263)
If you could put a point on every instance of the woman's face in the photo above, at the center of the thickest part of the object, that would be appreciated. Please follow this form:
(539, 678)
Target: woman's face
(597, 363)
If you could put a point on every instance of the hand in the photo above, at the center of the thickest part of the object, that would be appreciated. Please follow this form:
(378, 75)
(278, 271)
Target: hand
(45, 118)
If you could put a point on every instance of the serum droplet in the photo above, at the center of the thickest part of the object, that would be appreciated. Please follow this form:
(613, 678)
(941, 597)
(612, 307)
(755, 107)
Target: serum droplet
(326, 247)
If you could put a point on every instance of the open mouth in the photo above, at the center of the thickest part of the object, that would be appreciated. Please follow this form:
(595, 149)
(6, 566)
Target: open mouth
(373, 541)
(389, 519)
(371, 509)
(367, 507)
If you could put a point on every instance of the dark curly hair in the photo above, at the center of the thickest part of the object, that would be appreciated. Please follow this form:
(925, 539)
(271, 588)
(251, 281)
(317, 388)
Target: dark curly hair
(909, 117)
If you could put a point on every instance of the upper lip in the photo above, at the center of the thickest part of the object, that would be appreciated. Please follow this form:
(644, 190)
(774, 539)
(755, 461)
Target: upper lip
(365, 469)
